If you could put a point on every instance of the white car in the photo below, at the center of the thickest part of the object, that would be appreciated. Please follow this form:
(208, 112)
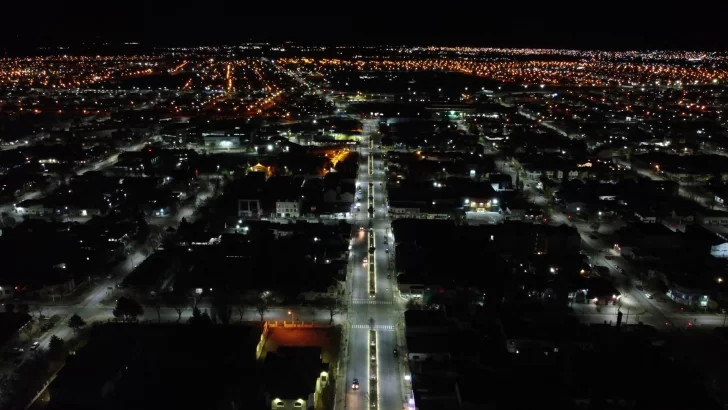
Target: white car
(648, 295)
(34, 346)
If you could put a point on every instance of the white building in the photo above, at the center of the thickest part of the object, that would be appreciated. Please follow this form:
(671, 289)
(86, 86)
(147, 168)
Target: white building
(288, 209)
(220, 140)
(249, 208)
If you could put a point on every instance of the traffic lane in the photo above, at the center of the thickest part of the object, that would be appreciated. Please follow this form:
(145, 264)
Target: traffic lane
(384, 284)
(357, 368)
(390, 376)
(360, 275)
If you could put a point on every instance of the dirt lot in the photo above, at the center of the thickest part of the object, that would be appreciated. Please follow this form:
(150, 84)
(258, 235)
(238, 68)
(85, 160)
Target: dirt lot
(328, 339)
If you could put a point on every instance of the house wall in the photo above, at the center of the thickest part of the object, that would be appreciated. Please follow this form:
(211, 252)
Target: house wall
(291, 404)
(288, 209)
(421, 357)
(719, 251)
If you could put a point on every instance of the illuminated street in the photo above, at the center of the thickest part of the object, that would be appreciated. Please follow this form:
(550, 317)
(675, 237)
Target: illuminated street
(383, 309)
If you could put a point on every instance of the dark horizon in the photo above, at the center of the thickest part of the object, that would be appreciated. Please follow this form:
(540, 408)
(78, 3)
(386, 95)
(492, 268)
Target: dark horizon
(617, 28)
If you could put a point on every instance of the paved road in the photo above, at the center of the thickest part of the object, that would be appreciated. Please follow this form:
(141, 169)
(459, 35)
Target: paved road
(383, 309)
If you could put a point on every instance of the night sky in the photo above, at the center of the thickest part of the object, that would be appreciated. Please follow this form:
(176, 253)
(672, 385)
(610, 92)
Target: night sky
(604, 25)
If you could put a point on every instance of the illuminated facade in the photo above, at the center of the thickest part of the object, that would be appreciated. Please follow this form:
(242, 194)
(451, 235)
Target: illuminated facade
(480, 205)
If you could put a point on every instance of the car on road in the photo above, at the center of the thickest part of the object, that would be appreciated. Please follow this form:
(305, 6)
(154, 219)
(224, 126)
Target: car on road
(34, 346)
(386, 250)
(355, 384)
(639, 287)
(648, 295)
(365, 261)
(396, 352)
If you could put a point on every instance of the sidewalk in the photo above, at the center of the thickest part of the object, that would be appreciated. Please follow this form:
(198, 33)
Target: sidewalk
(405, 373)
(341, 366)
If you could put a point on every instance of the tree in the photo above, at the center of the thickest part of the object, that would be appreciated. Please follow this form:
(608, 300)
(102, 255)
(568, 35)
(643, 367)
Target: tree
(221, 307)
(29, 328)
(199, 318)
(176, 301)
(262, 305)
(127, 308)
(156, 304)
(152, 243)
(76, 322)
(39, 309)
(8, 221)
(412, 304)
(56, 348)
(334, 305)
(595, 226)
(10, 307)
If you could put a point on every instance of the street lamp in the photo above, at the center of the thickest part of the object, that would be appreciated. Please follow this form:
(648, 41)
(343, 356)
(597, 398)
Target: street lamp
(293, 318)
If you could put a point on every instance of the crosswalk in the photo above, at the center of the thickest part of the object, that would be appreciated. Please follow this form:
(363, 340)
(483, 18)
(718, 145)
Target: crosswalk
(385, 328)
(371, 302)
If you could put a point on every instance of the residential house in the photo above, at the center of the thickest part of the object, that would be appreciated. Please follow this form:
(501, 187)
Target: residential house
(430, 322)
(320, 288)
(422, 347)
(294, 378)
(500, 182)
(520, 336)
(709, 217)
(410, 286)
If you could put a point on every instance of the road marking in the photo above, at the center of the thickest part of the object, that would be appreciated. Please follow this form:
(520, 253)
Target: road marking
(389, 328)
(370, 302)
